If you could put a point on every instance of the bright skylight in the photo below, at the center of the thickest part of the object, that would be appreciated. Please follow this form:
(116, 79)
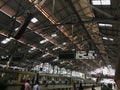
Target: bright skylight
(45, 55)
(33, 48)
(6, 40)
(104, 71)
(105, 38)
(111, 39)
(54, 35)
(55, 59)
(64, 43)
(55, 48)
(101, 2)
(43, 41)
(16, 29)
(105, 25)
(34, 20)
(106, 81)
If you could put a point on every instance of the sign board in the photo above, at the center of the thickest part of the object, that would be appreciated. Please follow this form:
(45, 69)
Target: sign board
(86, 55)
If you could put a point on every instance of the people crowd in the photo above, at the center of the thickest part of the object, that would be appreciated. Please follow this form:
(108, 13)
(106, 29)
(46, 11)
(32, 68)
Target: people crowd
(107, 87)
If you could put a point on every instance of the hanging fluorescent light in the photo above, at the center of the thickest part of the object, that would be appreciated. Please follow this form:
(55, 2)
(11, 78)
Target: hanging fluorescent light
(111, 39)
(73, 49)
(55, 59)
(54, 35)
(64, 43)
(101, 2)
(106, 25)
(45, 55)
(6, 40)
(105, 38)
(43, 41)
(16, 29)
(33, 48)
(34, 20)
(55, 48)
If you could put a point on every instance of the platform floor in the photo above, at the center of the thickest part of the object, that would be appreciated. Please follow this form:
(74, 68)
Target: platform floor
(98, 88)
(18, 88)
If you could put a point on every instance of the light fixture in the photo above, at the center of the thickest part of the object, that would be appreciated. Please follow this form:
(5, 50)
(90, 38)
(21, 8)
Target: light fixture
(16, 29)
(111, 39)
(43, 41)
(73, 49)
(34, 20)
(54, 35)
(33, 48)
(55, 48)
(45, 55)
(64, 43)
(101, 2)
(6, 40)
(55, 59)
(106, 25)
(105, 38)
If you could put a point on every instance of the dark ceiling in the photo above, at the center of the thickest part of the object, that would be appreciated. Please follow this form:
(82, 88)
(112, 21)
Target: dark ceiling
(76, 24)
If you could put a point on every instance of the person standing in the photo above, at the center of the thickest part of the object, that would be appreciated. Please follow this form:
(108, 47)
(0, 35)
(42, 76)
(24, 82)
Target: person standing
(27, 85)
(93, 87)
(36, 86)
(80, 87)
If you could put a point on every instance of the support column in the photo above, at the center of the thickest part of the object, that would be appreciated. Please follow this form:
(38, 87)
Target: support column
(117, 72)
(19, 78)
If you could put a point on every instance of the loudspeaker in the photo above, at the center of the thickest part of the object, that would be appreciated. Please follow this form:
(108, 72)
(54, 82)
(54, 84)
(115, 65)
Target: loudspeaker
(23, 26)
(67, 55)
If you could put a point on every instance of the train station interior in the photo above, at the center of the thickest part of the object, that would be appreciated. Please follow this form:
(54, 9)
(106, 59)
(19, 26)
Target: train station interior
(60, 43)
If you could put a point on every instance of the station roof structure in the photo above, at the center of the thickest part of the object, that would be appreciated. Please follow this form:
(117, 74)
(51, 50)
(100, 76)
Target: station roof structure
(82, 26)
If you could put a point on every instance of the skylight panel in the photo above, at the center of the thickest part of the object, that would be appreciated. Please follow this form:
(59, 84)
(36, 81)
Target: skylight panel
(54, 35)
(105, 2)
(45, 55)
(101, 2)
(105, 38)
(64, 43)
(33, 48)
(43, 41)
(111, 39)
(6, 40)
(55, 48)
(34, 20)
(16, 29)
(96, 2)
(105, 25)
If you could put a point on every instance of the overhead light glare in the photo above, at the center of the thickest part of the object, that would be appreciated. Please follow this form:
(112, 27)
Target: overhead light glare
(64, 43)
(45, 55)
(101, 2)
(55, 48)
(43, 41)
(55, 59)
(6, 40)
(16, 29)
(111, 39)
(34, 20)
(54, 35)
(106, 25)
(105, 38)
